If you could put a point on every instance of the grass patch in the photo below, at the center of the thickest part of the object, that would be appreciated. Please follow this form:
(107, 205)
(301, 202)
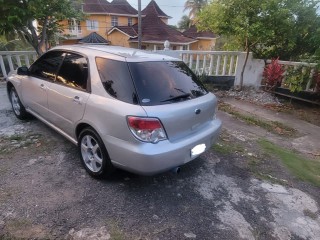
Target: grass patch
(303, 168)
(227, 148)
(226, 145)
(115, 231)
(260, 173)
(10, 143)
(23, 229)
(271, 126)
(310, 214)
(16, 137)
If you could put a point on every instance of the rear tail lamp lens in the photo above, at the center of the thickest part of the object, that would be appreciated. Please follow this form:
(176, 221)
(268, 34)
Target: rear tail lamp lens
(146, 129)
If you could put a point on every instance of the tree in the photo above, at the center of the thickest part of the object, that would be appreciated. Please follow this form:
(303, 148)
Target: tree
(194, 6)
(21, 17)
(294, 27)
(268, 28)
(184, 23)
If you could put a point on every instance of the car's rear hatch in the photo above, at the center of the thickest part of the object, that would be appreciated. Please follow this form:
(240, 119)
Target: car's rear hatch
(171, 92)
(184, 118)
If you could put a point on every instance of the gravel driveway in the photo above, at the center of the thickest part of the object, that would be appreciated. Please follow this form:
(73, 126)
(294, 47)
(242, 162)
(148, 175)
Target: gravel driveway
(46, 194)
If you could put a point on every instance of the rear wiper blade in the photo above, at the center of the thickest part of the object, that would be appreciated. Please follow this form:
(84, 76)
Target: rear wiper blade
(177, 97)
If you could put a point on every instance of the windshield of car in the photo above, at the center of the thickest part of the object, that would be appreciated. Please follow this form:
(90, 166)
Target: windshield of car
(165, 82)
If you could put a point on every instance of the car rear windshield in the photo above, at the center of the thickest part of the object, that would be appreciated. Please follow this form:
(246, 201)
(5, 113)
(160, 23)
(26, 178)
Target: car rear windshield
(165, 82)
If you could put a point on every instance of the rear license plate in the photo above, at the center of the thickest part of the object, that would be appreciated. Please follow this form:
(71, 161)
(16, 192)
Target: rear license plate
(198, 150)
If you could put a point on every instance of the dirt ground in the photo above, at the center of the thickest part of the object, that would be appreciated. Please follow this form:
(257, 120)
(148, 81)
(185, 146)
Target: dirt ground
(304, 111)
(309, 112)
(46, 194)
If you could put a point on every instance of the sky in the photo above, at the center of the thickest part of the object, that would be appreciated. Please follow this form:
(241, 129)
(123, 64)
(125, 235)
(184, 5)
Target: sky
(173, 8)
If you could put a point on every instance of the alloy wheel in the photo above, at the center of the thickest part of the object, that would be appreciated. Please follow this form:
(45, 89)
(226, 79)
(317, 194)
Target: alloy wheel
(15, 103)
(91, 153)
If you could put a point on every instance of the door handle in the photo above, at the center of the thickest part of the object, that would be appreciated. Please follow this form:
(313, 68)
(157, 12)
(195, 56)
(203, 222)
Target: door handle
(77, 99)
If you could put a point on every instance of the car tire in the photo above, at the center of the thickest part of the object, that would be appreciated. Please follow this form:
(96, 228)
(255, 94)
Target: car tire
(17, 107)
(93, 154)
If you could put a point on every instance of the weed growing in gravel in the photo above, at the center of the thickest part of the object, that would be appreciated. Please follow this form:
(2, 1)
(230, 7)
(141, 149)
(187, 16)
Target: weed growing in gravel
(21, 228)
(262, 174)
(15, 137)
(310, 214)
(303, 168)
(115, 231)
(271, 126)
(227, 148)
(10, 143)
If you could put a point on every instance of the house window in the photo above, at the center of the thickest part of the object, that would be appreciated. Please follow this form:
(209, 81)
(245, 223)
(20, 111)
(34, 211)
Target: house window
(92, 25)
(129, 21)
(79, 26)
(74, 26)
(71, 25)
(114, 21)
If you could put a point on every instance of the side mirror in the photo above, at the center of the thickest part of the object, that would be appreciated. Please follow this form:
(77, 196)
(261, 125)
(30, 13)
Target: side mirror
(23, 71)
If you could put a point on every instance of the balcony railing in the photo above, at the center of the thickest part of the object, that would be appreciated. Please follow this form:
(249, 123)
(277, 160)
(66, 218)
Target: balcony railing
(300, 68)
(11, 60)
(213, 63)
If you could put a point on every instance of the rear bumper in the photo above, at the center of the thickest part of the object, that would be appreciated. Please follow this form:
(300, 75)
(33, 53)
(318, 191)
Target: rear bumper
(149, 159)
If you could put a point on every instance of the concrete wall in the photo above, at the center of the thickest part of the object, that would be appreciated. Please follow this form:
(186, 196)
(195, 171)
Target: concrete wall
(117, 38)
(203, 45)
(252, 74)
(253, 71)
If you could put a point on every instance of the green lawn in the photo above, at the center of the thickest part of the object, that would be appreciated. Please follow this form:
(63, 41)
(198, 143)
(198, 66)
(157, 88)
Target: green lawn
(303, 168)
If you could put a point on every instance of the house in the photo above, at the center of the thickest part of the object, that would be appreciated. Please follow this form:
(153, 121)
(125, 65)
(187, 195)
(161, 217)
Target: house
(155, 32)
(117, 23)
(206, 40)
(101, 16)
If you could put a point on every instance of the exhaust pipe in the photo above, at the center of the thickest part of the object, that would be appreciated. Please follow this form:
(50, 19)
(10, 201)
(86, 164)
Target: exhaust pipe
(176, 170)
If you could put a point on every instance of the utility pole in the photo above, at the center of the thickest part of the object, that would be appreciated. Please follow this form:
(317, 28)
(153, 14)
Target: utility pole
(139, 24)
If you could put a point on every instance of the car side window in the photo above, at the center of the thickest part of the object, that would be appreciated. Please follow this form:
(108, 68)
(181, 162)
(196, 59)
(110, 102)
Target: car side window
(47, 65)
(73, 71)
(116, 79)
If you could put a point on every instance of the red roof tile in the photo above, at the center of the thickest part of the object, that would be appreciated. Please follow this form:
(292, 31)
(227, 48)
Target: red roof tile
(115, 7)
(123, 7)
(94, 38)
(130, 31)
(153, 7)
(155, 30)
(95, 6)
(194, 33)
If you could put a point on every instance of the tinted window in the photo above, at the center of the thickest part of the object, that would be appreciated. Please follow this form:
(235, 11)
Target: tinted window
(165, 82)
(47, 65)
(74, 71)
(116, 79)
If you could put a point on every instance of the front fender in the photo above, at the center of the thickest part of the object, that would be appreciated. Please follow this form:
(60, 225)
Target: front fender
(15, 80)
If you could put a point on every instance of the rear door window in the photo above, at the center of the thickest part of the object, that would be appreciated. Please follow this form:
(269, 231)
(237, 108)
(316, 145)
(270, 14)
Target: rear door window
(165, 82)
(73, 71)
(116, 79)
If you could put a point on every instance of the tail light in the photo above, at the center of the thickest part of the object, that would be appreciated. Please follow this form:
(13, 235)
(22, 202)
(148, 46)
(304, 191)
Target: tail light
(146, 129)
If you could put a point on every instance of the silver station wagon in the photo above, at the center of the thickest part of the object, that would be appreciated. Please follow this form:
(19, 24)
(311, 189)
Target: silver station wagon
(123, 108)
